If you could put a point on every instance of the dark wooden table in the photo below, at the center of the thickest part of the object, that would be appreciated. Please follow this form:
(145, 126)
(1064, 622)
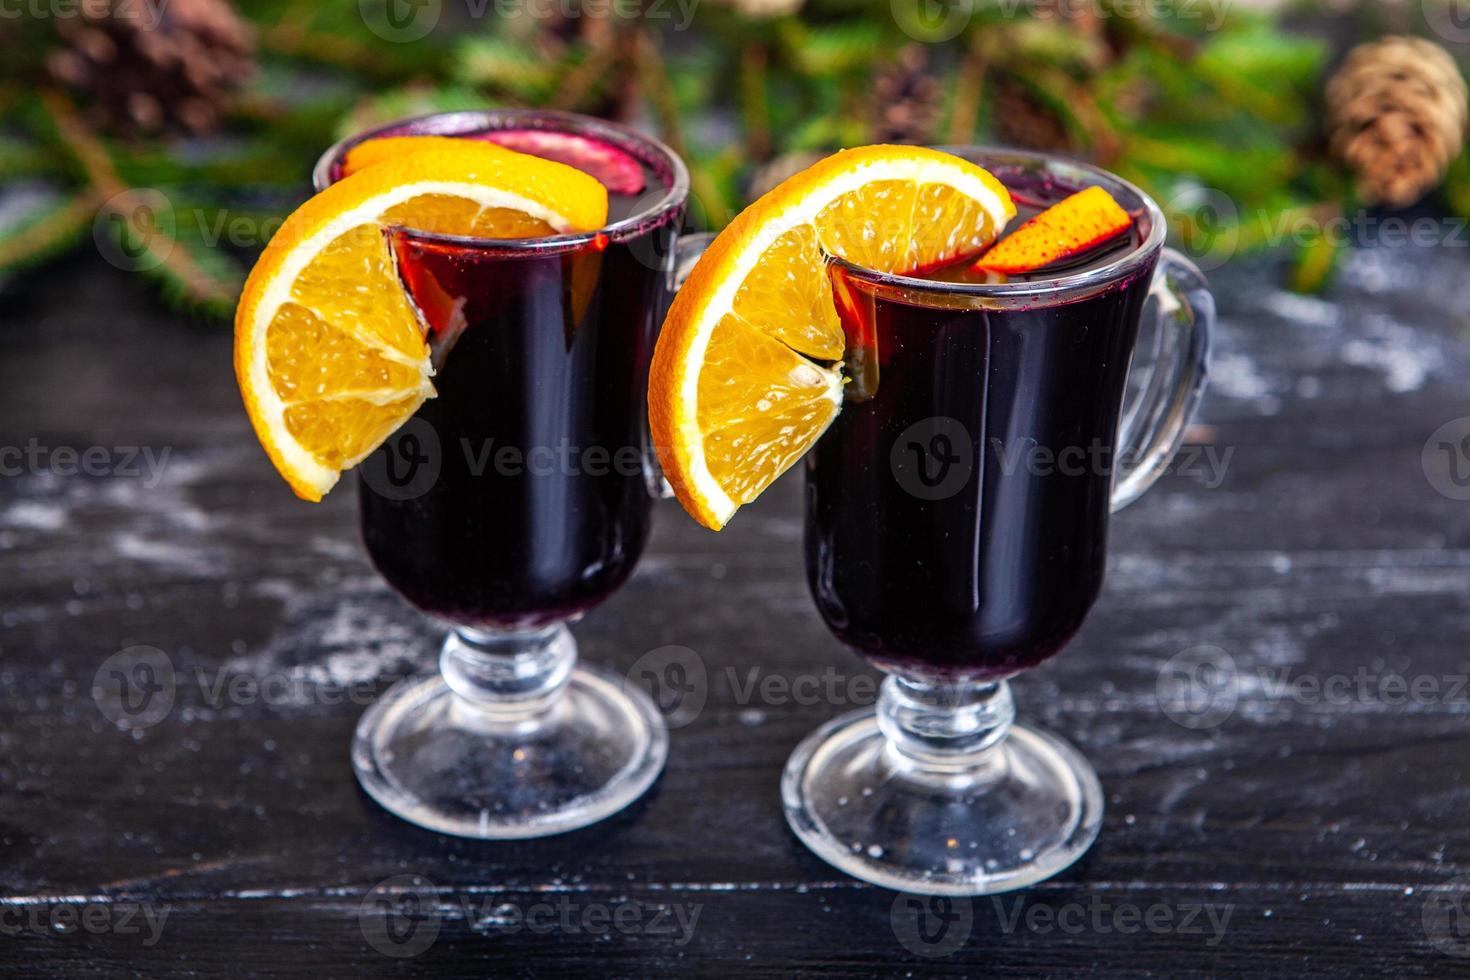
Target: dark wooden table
(1306, 814)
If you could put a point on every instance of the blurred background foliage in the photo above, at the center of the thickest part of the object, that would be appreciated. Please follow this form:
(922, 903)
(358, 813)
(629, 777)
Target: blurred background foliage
(175, 134)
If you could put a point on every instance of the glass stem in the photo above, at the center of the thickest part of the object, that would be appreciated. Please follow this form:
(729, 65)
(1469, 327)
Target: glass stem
(509, 676)
(946, 727)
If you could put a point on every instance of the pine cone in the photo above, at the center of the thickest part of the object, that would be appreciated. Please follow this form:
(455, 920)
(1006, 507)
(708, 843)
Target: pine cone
(1396, 115)
(1023, 120)
(146, 67)
(906, 98)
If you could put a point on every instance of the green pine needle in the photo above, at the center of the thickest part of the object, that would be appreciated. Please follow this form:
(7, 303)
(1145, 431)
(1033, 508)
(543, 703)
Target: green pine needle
(161, 244)
(56, 226)
(832, 50)
(1314, 264)
(501, 65)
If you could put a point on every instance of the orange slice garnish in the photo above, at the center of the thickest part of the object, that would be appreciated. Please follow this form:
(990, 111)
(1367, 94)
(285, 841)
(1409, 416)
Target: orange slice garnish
(330, 355)
(746, 374)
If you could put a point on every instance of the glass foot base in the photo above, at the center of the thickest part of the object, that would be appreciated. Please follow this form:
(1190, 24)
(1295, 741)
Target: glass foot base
(1031, 809)
(440, 761)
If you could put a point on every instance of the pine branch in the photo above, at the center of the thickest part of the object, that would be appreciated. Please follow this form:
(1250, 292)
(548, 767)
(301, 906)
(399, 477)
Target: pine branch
(1075, 105)
(498, 65)
(852, 113)
(1457, 186)
(294, 39)
(198, 283)
(201, 258)
(58, 229)
(332, 34)
(836, 49)
(578, 85)
(24, 158)
(969, 91)
(9, 96)
(1315, 263)
(654, 74)
(754, 107)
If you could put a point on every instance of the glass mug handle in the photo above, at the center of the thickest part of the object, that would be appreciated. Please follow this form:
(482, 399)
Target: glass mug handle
(687, 250)
(1171, 382)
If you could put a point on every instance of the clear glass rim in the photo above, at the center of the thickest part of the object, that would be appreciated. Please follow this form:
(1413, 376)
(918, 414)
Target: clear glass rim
(474, 120)
(1117, 270)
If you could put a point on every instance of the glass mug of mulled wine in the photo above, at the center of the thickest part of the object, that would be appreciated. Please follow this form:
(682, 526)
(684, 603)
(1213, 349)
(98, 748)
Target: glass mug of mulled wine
(956, 527)
(521, 496)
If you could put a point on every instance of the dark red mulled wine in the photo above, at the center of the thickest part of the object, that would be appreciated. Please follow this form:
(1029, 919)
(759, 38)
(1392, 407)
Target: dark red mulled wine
(522, 495)
(957, 508)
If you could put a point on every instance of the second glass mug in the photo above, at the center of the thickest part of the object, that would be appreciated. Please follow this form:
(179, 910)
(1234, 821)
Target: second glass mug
(949, 553)
(518, 499)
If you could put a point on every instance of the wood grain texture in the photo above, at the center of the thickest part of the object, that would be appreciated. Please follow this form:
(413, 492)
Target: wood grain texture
(1327, 832)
